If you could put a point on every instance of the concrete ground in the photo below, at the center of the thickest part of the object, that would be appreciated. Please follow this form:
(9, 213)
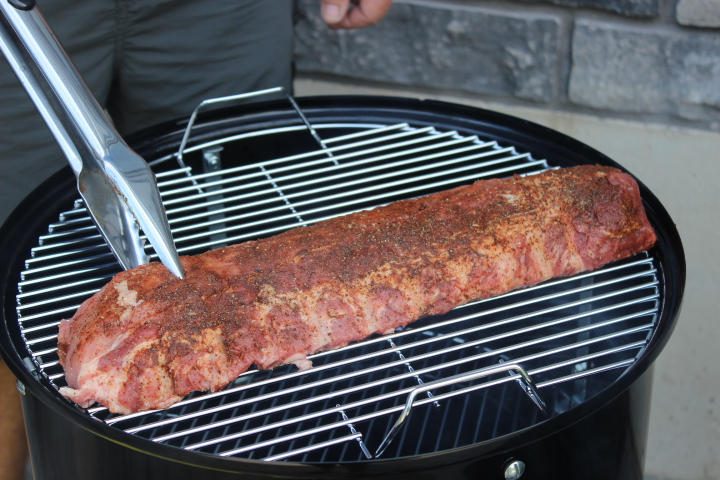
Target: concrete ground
(682, 168)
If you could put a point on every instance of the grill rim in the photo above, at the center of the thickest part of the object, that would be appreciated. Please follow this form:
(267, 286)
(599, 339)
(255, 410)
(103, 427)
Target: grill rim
(29, 220)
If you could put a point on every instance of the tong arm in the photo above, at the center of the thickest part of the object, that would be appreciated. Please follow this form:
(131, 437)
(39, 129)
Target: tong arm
(118, 187)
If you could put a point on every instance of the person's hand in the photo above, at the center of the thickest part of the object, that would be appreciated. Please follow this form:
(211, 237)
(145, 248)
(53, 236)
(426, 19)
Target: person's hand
(353, 14)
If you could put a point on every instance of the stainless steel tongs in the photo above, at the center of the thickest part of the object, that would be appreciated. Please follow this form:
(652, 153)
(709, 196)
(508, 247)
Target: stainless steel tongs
(117, 186)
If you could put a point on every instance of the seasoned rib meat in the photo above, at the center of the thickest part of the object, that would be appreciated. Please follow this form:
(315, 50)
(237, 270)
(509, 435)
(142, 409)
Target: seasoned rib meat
(147, 339)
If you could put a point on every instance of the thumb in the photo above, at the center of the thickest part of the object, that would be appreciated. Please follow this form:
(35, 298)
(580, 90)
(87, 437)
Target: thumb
(334, 11)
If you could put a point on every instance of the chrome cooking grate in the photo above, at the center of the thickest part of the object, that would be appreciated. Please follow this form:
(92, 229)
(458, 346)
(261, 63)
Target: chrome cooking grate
(574, 336)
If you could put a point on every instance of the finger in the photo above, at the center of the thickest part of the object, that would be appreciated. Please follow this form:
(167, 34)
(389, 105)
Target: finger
(334, 11)
(367, 12)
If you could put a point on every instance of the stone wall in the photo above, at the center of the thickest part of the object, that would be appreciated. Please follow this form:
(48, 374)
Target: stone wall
(646, 60)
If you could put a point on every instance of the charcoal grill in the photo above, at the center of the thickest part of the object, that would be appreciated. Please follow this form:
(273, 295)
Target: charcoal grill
(586, 342)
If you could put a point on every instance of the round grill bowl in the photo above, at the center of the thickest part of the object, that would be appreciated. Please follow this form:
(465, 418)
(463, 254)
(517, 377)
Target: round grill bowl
(602, 436)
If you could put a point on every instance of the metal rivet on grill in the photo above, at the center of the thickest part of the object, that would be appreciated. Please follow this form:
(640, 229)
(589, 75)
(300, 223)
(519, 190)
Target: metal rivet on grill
(514, 469)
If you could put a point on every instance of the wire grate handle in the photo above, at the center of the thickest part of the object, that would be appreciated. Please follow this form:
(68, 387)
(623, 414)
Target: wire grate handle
(528, 387)
(211, 102)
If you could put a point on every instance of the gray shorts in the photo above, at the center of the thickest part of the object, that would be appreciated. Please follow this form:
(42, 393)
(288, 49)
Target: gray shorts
(146, 61)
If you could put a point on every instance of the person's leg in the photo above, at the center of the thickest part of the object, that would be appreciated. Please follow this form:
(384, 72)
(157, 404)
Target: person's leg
(29, 154)
(13, 445)
(176, 53)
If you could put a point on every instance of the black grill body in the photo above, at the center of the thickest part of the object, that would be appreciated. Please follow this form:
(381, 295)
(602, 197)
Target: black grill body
(608, 443)
(600, 434)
